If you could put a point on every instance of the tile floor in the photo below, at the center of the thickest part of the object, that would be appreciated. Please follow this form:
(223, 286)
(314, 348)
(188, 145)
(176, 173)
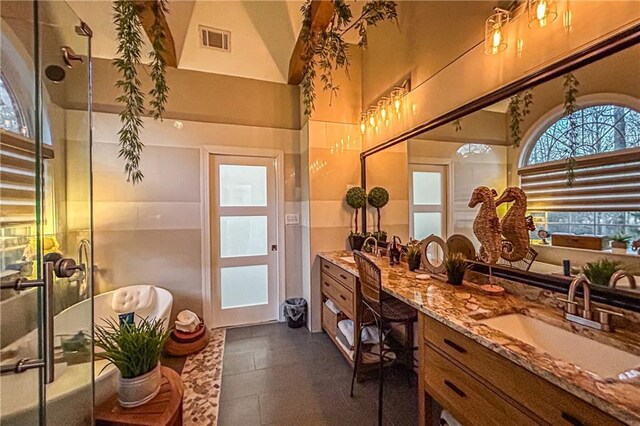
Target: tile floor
(274, 375)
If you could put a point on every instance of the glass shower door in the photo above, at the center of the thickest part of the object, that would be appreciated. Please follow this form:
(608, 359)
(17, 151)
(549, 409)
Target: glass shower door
(46, 61)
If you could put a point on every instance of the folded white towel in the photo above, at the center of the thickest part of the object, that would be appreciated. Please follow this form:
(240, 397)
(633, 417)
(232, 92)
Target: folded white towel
(346, 327)
(332, 306)
(446, 418)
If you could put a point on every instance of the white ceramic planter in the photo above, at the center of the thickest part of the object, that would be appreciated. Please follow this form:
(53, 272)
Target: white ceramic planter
(139, 390)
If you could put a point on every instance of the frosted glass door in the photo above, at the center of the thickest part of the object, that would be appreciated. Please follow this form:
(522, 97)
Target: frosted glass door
(428, 193)
(243, 243)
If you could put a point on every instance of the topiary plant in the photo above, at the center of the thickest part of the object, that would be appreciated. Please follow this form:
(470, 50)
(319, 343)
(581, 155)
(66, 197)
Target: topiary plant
(356, 199)
(378, 198)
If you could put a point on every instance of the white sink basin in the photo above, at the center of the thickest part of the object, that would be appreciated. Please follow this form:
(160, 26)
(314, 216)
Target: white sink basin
(598, 358)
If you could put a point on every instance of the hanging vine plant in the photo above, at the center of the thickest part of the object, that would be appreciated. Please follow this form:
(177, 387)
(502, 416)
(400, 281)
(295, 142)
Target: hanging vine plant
(571, 84)
(129, 35)
(519, 108)
(327, 51)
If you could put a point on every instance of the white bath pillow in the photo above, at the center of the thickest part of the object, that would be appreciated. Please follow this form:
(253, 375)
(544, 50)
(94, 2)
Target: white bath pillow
(134, 299)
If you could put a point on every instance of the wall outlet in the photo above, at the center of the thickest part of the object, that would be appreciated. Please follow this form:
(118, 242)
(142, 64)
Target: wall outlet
(292, 219)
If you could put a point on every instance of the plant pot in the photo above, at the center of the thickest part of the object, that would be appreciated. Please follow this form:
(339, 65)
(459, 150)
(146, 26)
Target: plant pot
(139, 390)
(413, 264)
(356, 242)
(381, 238)
(455, 277)
(618, 247)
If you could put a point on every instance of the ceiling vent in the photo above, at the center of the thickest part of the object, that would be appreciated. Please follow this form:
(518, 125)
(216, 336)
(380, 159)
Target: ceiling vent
(213, 38)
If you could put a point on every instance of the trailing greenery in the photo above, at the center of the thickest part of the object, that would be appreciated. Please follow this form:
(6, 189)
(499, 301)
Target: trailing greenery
(570, 107)
(600, 272)
(328, 51)
(160, 90)
(356, 199)
(133, 348)
(129, 35)
(519, 108)
(378, 197)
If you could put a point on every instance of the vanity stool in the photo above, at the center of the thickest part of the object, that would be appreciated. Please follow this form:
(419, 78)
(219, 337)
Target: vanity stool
(384, 310)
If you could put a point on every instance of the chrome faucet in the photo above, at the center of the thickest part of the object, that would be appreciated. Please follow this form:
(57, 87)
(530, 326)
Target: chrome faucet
(618, 275)
(375, 245)
(586, 317)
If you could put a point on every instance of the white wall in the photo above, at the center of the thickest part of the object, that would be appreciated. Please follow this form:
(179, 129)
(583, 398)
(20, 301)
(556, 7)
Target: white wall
(151, 232)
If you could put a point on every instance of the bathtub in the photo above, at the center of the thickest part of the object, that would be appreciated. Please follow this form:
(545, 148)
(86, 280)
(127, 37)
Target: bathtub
(69, 396)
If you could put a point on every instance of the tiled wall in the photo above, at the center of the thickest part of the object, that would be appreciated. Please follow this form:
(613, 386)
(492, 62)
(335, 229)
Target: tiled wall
(151, 232)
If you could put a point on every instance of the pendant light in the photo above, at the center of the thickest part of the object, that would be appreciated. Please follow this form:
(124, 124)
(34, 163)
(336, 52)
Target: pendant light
(541, 12)
(495, 36)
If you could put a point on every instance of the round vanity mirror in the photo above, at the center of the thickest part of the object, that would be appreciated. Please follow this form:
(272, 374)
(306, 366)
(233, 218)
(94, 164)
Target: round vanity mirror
(433, 254)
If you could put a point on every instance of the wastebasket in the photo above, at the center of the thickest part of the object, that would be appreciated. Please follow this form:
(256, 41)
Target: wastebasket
(295, 311)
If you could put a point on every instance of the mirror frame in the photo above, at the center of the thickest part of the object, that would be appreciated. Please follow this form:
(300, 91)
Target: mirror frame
(629, 37)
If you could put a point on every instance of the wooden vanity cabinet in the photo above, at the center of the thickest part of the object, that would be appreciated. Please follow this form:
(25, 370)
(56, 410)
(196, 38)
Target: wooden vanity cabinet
(480, 387)
(339, 286)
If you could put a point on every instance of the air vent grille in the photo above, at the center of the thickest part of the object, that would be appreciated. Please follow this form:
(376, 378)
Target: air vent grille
(213, 38)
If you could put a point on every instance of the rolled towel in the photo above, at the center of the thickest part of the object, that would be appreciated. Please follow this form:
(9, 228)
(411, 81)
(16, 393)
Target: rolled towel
(187, 321)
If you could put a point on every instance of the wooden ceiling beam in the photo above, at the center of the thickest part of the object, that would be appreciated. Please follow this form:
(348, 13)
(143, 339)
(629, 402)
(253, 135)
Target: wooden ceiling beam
(321, 14)
(145, 13)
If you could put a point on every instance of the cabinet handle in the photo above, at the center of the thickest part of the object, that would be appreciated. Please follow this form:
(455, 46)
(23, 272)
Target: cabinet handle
(571, 419)
(326, 283)
(455, 346)
(455, 388)
(343, 277)
(326, 266)
(343, 298)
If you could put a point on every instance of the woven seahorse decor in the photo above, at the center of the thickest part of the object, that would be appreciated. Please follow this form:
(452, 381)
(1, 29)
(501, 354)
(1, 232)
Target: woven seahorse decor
(515, 225)
(486, 227)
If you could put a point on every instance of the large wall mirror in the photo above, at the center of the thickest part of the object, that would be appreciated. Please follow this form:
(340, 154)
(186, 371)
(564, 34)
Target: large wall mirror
(431, 177)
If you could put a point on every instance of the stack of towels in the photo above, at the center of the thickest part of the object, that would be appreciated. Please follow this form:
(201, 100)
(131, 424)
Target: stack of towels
(370, 338)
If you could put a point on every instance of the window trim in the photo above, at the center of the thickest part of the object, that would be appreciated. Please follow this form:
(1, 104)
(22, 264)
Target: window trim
(542, 124)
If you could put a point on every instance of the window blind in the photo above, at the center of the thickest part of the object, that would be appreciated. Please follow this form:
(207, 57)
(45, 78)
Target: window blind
(18, 178)
(604, 182)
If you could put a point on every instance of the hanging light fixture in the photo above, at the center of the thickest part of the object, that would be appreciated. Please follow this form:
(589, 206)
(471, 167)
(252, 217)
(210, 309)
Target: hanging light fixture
(363, 122)
(396, 98)
(495, 33)
(371, 114)
(383, 106)
(541, 12)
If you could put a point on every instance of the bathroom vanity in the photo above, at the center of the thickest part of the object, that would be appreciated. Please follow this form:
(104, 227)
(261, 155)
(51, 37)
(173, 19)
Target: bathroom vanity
(511, 359)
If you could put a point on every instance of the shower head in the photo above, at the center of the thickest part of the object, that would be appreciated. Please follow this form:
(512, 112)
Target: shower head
(55, 73)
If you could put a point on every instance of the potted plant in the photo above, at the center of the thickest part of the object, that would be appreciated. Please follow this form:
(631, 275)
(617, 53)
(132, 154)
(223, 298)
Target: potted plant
(414, 254)
(600, 272)
(378, 197)
(356, 199)
(619, 243)
(135, 351)
(455, 264)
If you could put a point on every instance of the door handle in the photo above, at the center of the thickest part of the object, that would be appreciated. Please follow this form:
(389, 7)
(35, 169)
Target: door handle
(48, 361)
(274, 247)
(49, 354)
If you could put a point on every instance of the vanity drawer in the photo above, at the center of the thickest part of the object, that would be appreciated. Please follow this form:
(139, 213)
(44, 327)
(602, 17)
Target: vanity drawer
(339, 274)
(342, 296)
(541, 398)
(466, 398)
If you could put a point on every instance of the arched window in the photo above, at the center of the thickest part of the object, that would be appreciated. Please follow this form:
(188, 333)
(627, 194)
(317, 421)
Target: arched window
(600, 129)
(11, 118)
(605, 197)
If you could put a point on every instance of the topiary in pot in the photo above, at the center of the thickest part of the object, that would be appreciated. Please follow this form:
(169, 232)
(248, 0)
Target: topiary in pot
(135, 351)
(356, 199)
(378, 198)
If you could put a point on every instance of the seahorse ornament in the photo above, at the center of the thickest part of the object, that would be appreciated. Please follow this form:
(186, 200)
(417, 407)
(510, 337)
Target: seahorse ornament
(515, 225)
(486, 227)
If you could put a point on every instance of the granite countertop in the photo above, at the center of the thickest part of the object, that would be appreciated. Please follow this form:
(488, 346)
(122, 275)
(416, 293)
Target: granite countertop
(460, 307)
